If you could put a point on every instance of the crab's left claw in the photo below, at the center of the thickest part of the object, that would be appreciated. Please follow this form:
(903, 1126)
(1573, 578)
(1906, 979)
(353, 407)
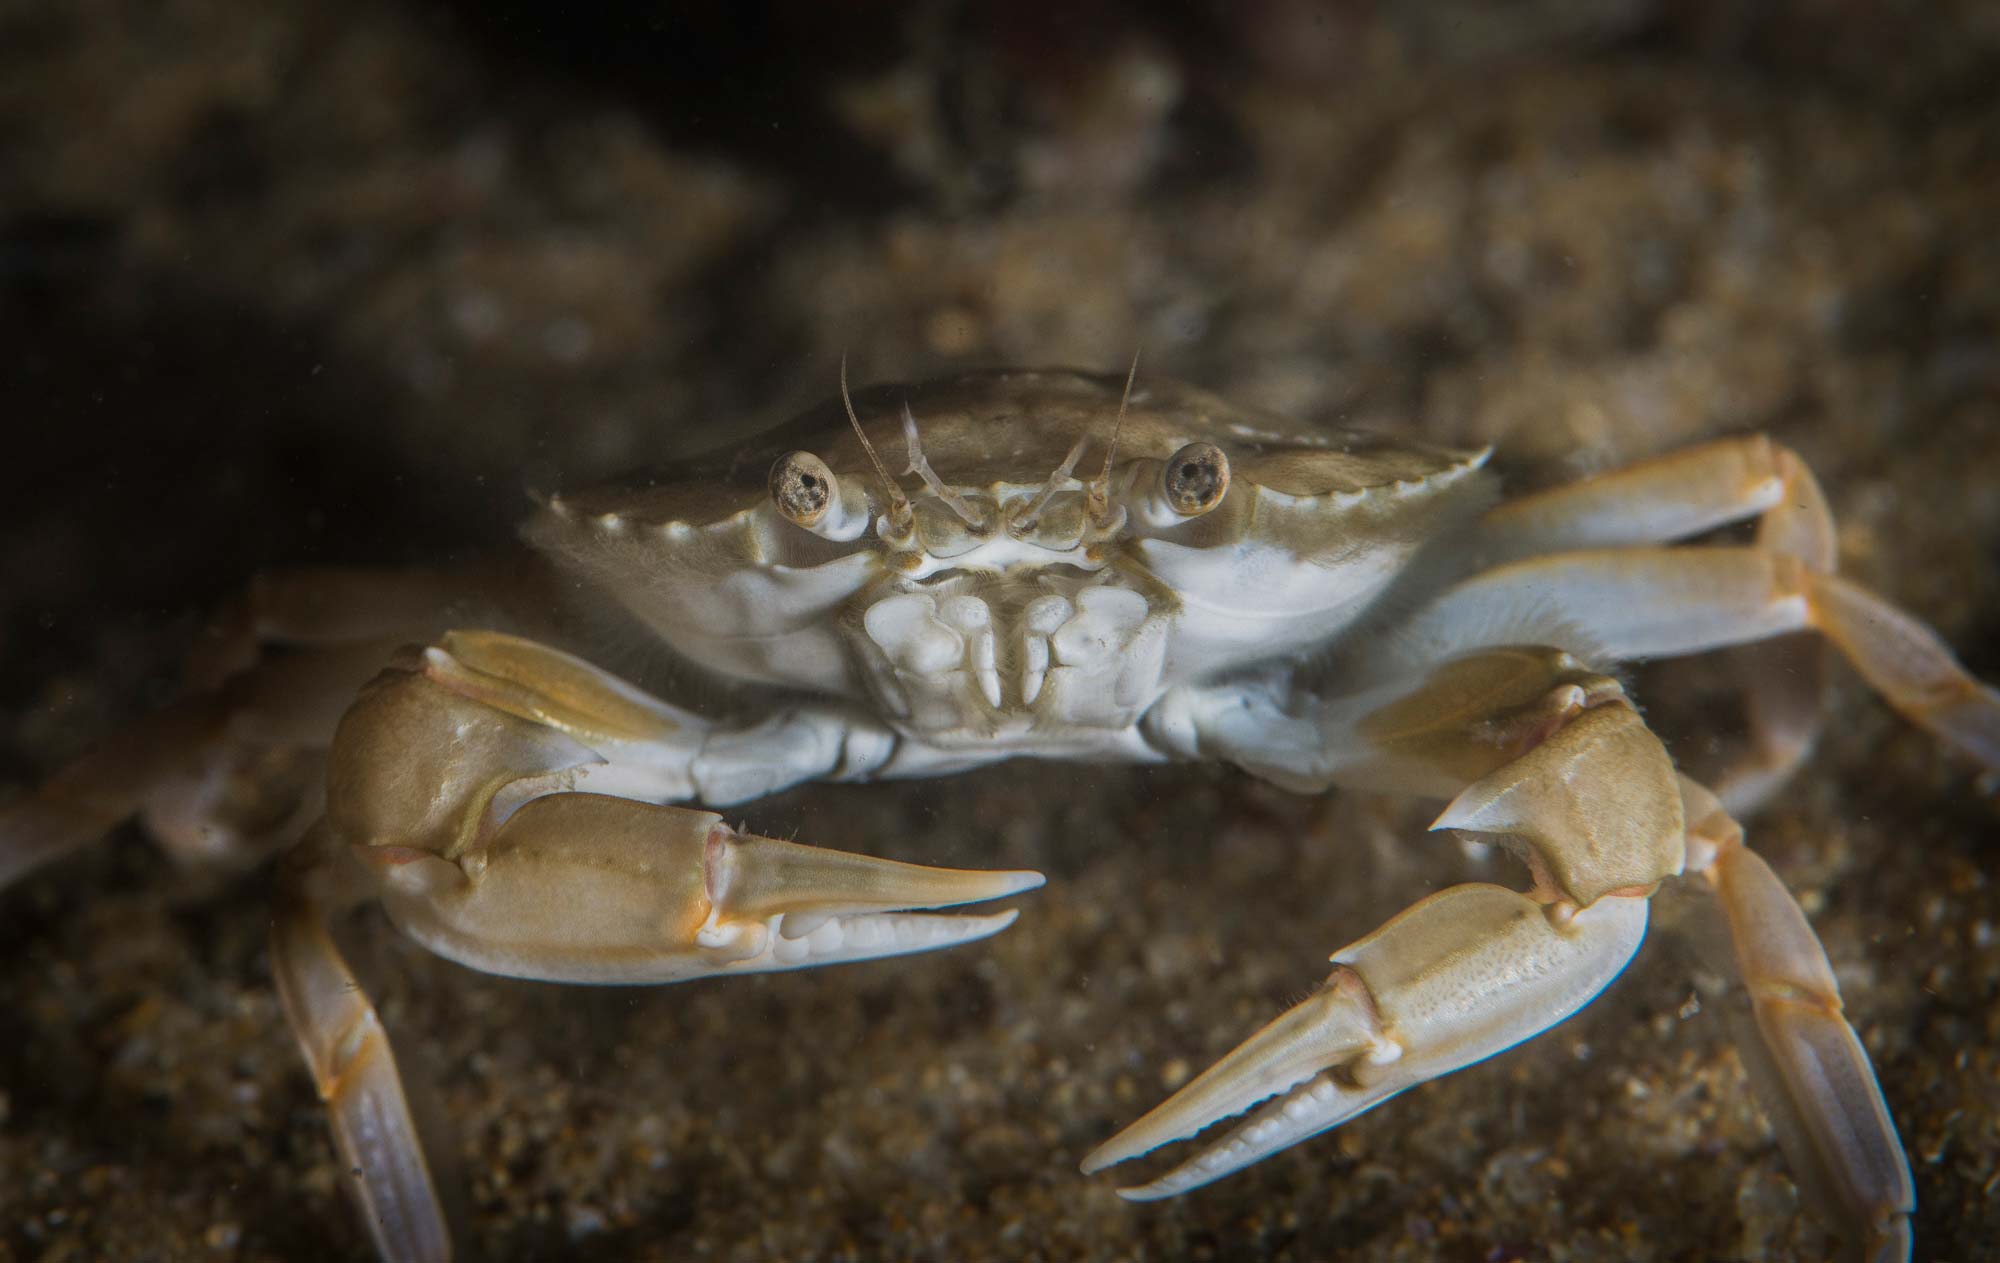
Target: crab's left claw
(1462, 975)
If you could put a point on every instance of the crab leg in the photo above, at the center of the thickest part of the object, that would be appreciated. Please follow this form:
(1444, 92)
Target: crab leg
(215, 774)
(232, 769)
(558, 722)
(1672, 497)
(330, 606)
(578, 888)
(1462, 975)
(1682, 494)
(1783, 679)
(1811, 1073)
(1651, 602)
(98, 792)
(348, 1053)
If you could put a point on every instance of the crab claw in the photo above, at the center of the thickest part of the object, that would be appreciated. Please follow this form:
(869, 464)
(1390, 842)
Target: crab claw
(587, 888)
(1460, 976)
(575, 888)
(794, 906)
(1333, 1026)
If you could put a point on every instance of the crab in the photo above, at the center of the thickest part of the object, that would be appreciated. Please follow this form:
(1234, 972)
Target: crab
(1319, 608)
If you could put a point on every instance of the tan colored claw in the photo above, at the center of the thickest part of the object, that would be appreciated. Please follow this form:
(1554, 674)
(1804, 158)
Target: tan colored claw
(1596, 802)
(1466, 973)
(579, 888)
(587, 888)
(458, 780)
(1462, 975)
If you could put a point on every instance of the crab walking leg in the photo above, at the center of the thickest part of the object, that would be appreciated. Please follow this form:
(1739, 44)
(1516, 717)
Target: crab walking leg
(1464, 974)
(101, 790)
(1812, 1075)
(232, 769)
(1685, 493)
(324, 606)
(1660, 602)
(218, 774)
(1672, 497)
(352, 1065)
(1783, 683)
(1783, 679)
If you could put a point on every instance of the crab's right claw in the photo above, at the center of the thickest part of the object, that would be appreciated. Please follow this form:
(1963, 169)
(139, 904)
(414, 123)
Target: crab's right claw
(798, 906)
(577, 888)
(587, 888)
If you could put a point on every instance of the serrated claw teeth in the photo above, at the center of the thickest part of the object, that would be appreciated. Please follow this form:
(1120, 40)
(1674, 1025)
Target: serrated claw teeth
(1285, 1060)
(822, 907)
(1310, 1108)
(1461, 975)
(1335, 1025)
(868, 936)
(753, 877)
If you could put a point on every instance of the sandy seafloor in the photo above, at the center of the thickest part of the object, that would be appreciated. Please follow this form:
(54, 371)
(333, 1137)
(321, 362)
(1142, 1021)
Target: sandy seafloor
(334, 283)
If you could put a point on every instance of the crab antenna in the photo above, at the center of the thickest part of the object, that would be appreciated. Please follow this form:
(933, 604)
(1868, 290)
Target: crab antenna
(899, 504)
(1026, 517)
(920, 465)
(1100, 487)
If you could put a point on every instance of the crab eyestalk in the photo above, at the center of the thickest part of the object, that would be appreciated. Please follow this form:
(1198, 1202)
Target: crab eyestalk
(806, 492)
(1190, 483)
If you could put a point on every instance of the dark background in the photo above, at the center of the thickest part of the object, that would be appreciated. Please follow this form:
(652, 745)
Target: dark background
(334, 282)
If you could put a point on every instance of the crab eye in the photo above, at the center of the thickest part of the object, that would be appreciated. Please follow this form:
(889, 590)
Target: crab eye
(1195, 478)
(803, 488)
